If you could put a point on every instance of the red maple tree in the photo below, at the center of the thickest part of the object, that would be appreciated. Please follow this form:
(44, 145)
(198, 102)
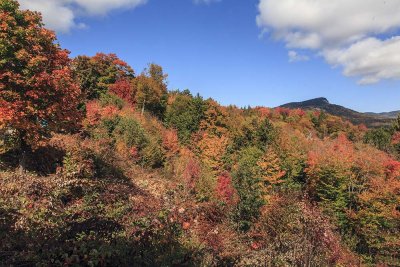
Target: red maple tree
(38, 95)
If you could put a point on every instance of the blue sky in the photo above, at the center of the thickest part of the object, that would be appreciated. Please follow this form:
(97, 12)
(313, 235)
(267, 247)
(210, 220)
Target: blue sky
(215, 49)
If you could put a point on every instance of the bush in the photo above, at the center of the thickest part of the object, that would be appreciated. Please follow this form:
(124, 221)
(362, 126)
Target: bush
(111, 100)
(247, 182)
(79, 163)
(380, 138)
(131, 133)
(152, 154)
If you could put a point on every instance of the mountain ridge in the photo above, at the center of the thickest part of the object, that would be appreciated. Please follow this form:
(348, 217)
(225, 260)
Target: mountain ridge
(370, 119)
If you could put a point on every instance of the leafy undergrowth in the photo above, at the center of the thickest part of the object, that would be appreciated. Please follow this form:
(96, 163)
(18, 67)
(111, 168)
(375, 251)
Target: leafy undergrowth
(111, 221)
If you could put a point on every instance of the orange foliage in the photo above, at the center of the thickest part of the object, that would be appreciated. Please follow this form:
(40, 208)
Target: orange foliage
(37, 92)
(272, 173)
(171, 142)
(212, 148)
(94, 113)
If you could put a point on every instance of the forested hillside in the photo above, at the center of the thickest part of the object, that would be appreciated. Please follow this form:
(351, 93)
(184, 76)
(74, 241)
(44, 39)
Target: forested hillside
(369, 118)
(101, 165)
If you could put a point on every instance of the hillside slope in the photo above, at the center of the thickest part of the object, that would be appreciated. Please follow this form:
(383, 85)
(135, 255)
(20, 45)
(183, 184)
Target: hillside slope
(100, 166)
(369, 119)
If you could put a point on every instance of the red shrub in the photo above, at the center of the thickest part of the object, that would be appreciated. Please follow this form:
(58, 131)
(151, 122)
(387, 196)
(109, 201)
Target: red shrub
(225, 190)
(299, 112)
(192, 173)
(396, 139)
(392, 168)
(284, 112)
(93, 114)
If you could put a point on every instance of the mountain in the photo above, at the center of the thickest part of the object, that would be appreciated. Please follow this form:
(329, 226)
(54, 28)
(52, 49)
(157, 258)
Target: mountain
(390, 115)
(370, 119)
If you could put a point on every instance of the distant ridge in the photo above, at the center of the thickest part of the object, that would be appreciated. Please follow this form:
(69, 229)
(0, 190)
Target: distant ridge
(370, 119)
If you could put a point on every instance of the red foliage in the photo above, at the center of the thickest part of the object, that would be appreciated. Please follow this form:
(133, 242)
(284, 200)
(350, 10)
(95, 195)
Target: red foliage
(338, 154)
(123, 88)
(93, 115)
(109, 111)
(37, 92)
(186, 226)
(317, 113)
(134, 153)
(396, 138)
(94, 112)
(255, 246)
(285, 112)
(225, 190)
(192, 173)
(265, 112)
(362, 128)
(299, 112)
(392, 168)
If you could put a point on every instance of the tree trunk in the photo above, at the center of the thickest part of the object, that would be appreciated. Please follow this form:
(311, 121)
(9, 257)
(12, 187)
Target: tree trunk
(24, 149)
(144, 101)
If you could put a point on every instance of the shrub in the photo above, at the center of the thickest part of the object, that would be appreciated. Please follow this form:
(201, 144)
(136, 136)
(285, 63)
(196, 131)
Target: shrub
(79, 162)
(248, 185)
(152, 154)
(111, 100)
(225, 190)
(380, 138)
(129, 131)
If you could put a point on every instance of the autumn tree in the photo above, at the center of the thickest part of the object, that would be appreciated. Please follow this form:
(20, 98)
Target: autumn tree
(151, 90)
(214, 121)
(271, 172)
(184, 113)
(380, 138)
(329, 177)
(37, 92)
(247, 182)
(97, 74)
(212, 149)
(123, 88)
(254, 132)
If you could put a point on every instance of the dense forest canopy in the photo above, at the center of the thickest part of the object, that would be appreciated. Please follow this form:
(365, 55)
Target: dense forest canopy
(117, 169)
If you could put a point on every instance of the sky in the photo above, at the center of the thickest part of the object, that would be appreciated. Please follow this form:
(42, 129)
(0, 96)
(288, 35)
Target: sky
(246, 52)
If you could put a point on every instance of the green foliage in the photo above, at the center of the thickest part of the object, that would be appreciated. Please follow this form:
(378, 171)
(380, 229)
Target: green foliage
(185, 114)
(380, 138)
(96, 74)
(333, 195)
(396, 124)
(151, 91)
(265, 134)
(79, 163)
(108, 99)
(153, 154)
(131, 133)
(247, 182)
(254, 133)
(205, 186)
